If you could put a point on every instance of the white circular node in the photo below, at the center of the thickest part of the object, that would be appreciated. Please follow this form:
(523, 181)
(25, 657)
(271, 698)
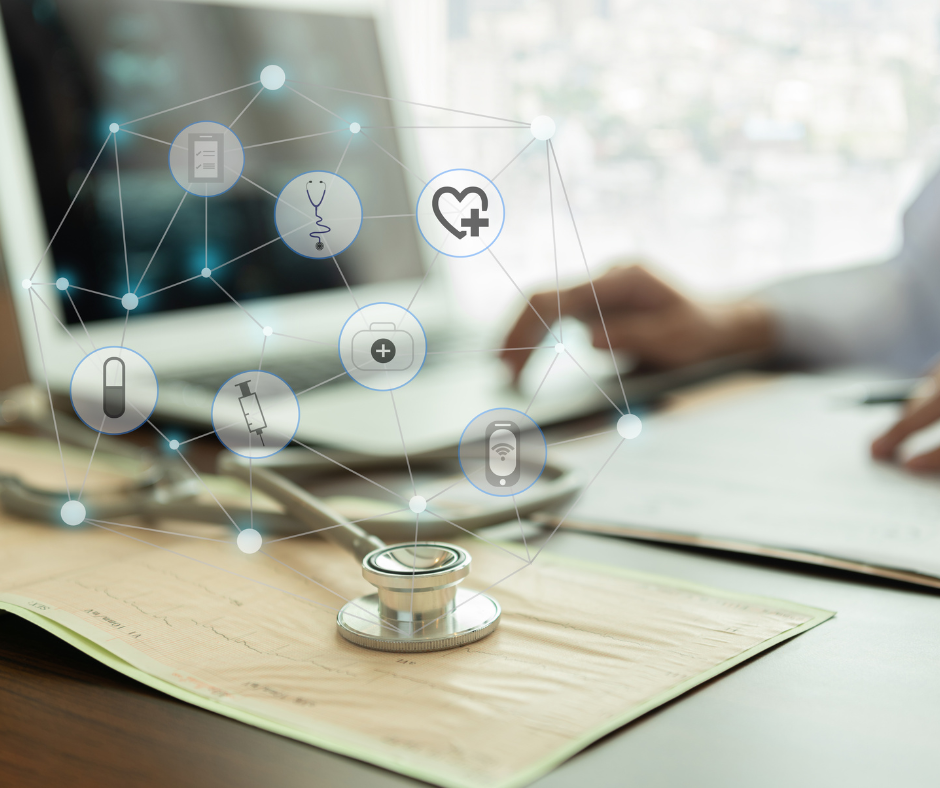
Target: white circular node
(417, 504)
(267, 331)
(114, 128)
(543, 128)
(629, 426)
(174, 445)
(355, 128)
(249, 541)
(73, 513)
(382, 346)
(255, 414)
(559, 348)
(114, 390)
(206, 272)
(130, 301)
(460, 213)
(206, 158)
(502, 452)
(62, 283)
(26, 284)
(318, 214)
(272, 77)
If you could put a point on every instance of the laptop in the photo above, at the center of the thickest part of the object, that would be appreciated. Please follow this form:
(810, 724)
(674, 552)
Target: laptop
(69, 70)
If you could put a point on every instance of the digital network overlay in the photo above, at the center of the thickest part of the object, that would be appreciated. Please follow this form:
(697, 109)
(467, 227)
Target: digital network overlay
(382, 346)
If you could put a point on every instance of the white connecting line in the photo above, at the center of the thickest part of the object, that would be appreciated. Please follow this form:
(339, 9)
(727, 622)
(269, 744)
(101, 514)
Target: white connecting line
(176, 445)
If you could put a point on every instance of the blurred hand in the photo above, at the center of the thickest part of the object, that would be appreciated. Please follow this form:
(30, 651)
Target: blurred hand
(922, 410)
(646, 318)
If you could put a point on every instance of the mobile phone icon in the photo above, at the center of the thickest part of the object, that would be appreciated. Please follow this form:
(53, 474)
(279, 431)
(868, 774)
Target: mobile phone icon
(206, 158)
(503, 463)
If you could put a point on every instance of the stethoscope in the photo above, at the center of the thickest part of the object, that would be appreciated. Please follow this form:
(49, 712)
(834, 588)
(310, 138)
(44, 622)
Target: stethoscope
(322, 229)
(417, 606)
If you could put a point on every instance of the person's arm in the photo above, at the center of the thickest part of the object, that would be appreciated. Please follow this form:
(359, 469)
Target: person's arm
(645, 317)
(885, 315)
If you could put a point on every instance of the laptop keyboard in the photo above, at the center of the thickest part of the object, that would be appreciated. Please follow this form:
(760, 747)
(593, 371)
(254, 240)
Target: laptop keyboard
(300, 372)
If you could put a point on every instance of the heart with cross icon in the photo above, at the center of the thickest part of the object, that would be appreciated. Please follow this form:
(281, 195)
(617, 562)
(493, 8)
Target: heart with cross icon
(460, 213)
(474, 222)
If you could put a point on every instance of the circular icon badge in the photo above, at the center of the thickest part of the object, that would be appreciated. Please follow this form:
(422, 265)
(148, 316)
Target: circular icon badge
(255, 414)
(502, 452)
(206, 158)
(318, 214)
(382, 346)
(113, 390)
(460, 213)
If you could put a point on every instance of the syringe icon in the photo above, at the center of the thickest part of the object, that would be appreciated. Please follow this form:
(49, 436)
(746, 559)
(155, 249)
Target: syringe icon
(251, 410)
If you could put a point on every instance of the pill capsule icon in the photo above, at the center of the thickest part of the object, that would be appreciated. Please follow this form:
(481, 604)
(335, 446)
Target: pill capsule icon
(114, 388)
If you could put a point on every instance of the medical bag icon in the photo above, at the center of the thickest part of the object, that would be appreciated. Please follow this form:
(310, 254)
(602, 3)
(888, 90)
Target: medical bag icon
(383, 347)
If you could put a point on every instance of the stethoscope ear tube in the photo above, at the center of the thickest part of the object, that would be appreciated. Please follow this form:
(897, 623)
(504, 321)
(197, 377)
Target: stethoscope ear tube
(307, 508)
(557, 484)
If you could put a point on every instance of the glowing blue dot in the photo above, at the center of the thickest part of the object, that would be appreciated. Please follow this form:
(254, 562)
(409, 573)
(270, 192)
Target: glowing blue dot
(27, 283)
(267, 331)
(207, 272)
(417, 504)
(355, 128)
(174, 445)
(542, 128)
(272, 77)
(114, 128)
(73, 513)
(559, 348)
(249, 541)
(62, 283)
(629, 426)
(130, 301)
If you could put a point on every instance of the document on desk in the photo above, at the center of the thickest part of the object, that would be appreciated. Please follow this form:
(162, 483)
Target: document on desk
(780, 469)
(581, 649)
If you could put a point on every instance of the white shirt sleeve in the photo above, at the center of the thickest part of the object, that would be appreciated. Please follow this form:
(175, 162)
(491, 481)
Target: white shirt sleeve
(885, 315)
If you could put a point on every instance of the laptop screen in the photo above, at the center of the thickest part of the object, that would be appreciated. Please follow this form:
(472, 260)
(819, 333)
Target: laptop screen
(81, 66)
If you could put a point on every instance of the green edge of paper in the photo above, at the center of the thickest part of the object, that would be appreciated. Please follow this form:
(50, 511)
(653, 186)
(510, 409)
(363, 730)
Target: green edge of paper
(521, 778)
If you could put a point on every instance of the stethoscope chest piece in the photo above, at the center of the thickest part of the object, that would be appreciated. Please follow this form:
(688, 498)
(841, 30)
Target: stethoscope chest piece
(418, 606)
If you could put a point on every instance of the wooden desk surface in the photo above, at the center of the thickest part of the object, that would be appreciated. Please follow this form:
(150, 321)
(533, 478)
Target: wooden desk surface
(855, 702)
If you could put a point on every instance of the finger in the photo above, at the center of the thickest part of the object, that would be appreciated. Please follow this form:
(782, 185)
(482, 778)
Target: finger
(623, 288)
(542, 310)
(928, 461)
(885, 446)
(648, 338)
(630, 333)
(923, 391)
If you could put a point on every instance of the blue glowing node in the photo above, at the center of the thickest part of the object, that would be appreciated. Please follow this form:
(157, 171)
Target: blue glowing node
(417, 504)
(249, 541)
(73, 513)
(27, 283)
(355, 128)
(629, 426)
(62, 283)
(114, 128)
(174, 445)
(542, 128)
(272, 77)
(207, 272)
(130, 301)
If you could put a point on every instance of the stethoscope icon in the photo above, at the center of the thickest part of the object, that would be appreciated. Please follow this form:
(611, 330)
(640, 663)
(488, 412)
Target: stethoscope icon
(321, 229)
